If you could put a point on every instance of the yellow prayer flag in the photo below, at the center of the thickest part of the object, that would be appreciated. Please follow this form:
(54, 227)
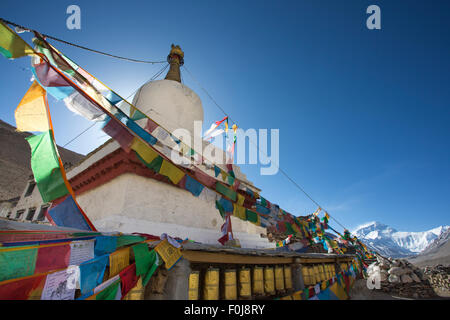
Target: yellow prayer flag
(240, 199)
(118, 261)
(170, 171)
(144, 151)
(239, 212)
(168, 253)
(31, 113)
(11, 45)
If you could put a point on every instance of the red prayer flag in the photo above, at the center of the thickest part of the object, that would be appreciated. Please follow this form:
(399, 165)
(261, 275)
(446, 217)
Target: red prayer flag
(119, 133)
(22, 288)
(128, 279)
(52, 258)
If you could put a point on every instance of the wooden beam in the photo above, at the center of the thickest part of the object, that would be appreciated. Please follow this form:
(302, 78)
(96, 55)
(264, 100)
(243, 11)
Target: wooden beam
(215, 257)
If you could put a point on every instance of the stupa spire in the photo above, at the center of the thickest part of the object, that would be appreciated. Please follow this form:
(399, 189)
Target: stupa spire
(175, 59)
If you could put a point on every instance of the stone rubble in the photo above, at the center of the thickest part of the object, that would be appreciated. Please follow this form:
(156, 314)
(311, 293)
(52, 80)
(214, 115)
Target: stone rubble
(399, 277)
(439, 277)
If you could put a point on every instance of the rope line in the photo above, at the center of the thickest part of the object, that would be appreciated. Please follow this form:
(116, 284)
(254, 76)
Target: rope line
(80, 46)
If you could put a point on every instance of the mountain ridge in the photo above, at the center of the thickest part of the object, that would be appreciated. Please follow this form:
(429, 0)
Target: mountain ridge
(397, 244)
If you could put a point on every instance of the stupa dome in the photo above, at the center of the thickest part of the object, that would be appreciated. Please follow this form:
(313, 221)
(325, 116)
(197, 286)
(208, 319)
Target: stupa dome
(171, 104)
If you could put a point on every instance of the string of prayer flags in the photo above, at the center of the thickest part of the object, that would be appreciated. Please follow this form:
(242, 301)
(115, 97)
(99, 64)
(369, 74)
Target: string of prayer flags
(68, 214)
(168, 253)
(92, 273)
(31, 113)
(11, 45)
(46, 167)
(141, 132)
(212, 132)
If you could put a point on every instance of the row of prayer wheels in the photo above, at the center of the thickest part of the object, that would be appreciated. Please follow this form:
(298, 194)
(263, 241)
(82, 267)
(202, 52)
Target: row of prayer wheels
(316, 273)
(242, 283)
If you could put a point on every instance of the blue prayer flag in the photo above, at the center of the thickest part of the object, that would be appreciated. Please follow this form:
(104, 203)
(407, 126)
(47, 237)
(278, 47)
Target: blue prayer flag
(92, 272)
(104, 245)
(193, 186)
(67, 214)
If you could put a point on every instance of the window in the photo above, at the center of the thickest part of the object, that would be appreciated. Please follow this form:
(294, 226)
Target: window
(41, 215)
(30, 188)
(19, 214)
(31, 213)
(9, 215)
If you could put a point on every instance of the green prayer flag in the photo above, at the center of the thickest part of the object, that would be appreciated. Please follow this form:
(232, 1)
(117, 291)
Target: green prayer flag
(221, 209)
(263, 202)
(251, 216)
(17, 263)
(146, 261)
(124, 240)
(109, 293)
(227, 192)
(45, 166)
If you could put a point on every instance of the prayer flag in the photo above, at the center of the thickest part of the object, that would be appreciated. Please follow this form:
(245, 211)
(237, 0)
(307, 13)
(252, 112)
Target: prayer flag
(21, 289)
(251, 216)
(115, 130)
(171, 171)
(146, 261)
(17, 262)
(11, 45)
(52, 258)
(110, 292)
(168, 253)
(118, 261)
(127, 239)
(222, 189)
(128, 279)
(105, 245)
(193, 186)
(31, 113)
(45, 165)
(143, 150)
(91, 273)
(68, 214)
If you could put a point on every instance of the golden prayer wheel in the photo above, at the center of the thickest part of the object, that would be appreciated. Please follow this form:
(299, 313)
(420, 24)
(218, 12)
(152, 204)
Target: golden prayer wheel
(287, 277)
(279, 278)
(211, 287)
(245, 290)
(322, 273)
(316, 274)
(137, 293)
(194, 279)
(306, 277)
(269, 283)
(258, 280)
(230, 290)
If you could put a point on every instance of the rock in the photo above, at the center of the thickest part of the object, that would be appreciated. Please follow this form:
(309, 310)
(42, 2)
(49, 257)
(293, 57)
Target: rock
(396, 271)
(406, 279)
(415, 277)
(393, 278)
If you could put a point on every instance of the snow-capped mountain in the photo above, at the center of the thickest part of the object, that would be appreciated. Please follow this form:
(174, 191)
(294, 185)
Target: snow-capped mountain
(390, 242)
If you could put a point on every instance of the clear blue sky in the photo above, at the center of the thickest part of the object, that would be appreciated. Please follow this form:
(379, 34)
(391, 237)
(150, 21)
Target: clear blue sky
(363, 114)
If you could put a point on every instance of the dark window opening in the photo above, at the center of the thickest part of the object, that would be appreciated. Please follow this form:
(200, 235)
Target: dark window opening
(42, 211)
(31, 213)
(19, 214)
(30, 189)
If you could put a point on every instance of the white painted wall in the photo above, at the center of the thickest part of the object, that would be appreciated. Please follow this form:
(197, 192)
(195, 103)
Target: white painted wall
(131, 203)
